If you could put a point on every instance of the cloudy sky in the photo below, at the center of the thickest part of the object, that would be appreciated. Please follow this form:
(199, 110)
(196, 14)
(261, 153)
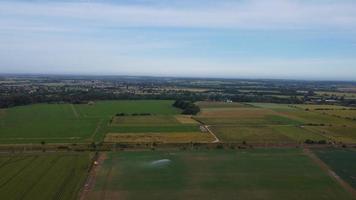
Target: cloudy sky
(299, 39)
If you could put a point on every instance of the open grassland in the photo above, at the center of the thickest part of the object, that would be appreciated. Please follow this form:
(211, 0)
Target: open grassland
(219, 174)
(171, 137)
(42, 176)
(62, 123)
(341, 161)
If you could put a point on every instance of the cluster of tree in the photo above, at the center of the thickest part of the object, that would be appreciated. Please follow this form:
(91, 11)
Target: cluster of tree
(188, 107)
(133, 114)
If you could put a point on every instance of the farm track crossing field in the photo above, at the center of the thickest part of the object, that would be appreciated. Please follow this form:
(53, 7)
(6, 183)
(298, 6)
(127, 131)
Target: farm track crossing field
(61, 123)
(42, 176)
(215, 174)
(68, 123)
(276, 123)
(341, 161)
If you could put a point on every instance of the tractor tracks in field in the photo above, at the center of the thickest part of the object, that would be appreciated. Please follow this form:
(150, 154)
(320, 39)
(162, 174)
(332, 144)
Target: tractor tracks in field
(76, 114)
(330, 172)
(97, 128)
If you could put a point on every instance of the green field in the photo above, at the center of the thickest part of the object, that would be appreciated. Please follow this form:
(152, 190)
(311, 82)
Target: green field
(42, 176)
(341, 161)
(70, 123)
(155, 120)
(277, 123)
(211, 105)
(249, 134)
(155, 128)
(110, 108)
(265, 134)
(350, 114)
(216, 174)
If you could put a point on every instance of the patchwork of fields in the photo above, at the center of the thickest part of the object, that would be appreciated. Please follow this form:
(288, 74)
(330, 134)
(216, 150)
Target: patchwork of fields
(62, 123)
(276, 123)
(42, 176)
(220, 174)
(263, 173)
(230, 122)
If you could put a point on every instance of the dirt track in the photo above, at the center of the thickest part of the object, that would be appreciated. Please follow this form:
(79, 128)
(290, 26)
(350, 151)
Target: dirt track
(330, 172)
(90, 181)
(216, 138)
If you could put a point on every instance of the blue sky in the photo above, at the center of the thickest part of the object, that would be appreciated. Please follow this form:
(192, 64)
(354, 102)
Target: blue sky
(298, 39)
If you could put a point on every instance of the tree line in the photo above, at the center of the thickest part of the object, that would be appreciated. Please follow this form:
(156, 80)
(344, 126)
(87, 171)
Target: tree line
(188, 107)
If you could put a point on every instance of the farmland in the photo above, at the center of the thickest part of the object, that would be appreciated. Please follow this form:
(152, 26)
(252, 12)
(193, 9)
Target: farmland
(58, 123)
(216, 174)
(155, 128)
(267, 123)
(195, 165)
(341, 161)
(42, 176)
(232, 122)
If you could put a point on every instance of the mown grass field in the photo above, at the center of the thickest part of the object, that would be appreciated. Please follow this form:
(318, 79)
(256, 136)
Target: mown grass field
(276, 123)
(216, 174)
(341, 161)
(70, 123)
(42, 176)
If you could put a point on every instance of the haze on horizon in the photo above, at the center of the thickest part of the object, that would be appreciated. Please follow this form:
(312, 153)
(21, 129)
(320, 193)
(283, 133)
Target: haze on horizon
(298, 39)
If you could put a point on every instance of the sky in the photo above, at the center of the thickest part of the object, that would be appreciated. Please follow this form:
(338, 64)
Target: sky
(284, 39)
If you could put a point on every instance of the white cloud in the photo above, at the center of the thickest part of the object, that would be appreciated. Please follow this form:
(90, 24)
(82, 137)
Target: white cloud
(253, 14)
